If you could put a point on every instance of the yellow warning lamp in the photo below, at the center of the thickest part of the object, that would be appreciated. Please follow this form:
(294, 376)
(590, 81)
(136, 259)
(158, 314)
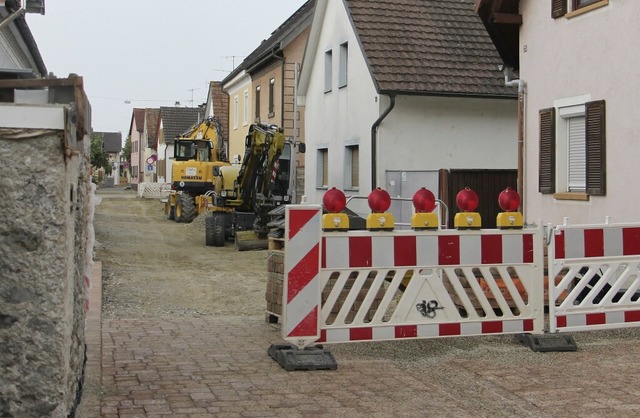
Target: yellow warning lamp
(467, 201)
(509, 201)
(424, 203)
(334, 202)
(379, 218)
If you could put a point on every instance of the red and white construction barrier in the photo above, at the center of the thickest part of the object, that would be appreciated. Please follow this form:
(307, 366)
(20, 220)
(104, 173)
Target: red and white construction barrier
(597, 275)
(367, 286)
(302, 265)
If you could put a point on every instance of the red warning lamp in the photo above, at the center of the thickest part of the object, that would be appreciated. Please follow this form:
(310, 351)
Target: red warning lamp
(334, 200)
(379, 219)
(509, 200)
(379, 200)
(467, 200)
(424, 201)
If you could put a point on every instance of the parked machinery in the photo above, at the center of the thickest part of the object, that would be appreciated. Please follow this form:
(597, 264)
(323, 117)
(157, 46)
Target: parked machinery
(199, 154)
(264, 181)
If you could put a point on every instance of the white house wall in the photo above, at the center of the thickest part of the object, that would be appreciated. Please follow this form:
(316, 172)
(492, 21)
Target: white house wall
(563, 58)
(430, 133)
(343, 116)
(420, 133)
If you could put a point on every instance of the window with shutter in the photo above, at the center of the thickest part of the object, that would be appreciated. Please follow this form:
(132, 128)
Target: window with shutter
(547, 163)
(595, 138)
(572, 161)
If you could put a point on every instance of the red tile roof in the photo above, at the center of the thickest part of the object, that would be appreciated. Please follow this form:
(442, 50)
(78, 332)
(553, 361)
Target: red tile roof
(428, 47)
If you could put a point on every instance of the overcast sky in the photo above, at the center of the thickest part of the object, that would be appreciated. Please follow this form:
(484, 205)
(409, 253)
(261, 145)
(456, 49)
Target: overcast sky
(150, 52)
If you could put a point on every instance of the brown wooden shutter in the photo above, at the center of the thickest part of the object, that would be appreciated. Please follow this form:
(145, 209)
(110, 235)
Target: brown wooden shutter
(558, 8)
(547, 173)
(595, 145)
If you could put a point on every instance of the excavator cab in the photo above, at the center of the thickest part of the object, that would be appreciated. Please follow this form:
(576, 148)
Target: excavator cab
(198, 150)
(280, 184)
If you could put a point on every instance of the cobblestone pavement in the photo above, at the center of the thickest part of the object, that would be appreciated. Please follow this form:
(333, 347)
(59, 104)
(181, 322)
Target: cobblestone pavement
(218, 366)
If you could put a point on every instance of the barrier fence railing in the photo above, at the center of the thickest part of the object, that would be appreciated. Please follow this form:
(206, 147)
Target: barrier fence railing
(350, 286)
(386, 285)
(596, 277)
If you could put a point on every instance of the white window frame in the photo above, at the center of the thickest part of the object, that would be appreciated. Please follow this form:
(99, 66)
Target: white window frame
(272, 98)
(235, 112)
(328, 71)
(322, 150)
(568, 111)
(343, 70)
(257, 107)
(348, 165)
(245, 121)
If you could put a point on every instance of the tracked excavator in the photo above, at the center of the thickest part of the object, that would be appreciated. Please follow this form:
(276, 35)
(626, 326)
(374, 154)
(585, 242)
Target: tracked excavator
(264, 181)
(199, 154)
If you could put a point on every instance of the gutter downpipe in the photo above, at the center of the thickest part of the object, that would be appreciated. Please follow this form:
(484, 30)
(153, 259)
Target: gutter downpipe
(508, 82)
(374, 140)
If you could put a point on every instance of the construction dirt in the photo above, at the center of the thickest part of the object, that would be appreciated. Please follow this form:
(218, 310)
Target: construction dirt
(154, 267)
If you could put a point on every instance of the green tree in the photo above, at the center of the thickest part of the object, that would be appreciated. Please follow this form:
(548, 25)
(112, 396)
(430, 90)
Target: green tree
(126, 150)
(99, 158)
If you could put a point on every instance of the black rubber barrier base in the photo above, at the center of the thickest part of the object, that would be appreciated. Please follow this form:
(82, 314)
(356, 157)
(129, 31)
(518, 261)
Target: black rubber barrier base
(548, 342)
(311, 358)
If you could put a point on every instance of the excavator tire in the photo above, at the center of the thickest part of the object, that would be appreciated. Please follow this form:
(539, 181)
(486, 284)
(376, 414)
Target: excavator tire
(187, 208)
(218, 231)
(208, 231)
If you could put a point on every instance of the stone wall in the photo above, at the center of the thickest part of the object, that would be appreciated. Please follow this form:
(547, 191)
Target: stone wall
(45, 254)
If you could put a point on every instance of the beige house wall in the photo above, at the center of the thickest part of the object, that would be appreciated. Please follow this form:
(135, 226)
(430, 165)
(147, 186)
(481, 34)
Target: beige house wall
(239, 89)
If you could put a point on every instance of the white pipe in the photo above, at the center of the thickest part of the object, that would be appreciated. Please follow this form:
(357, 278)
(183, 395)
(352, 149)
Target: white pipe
(14, 15)
(508, 82)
